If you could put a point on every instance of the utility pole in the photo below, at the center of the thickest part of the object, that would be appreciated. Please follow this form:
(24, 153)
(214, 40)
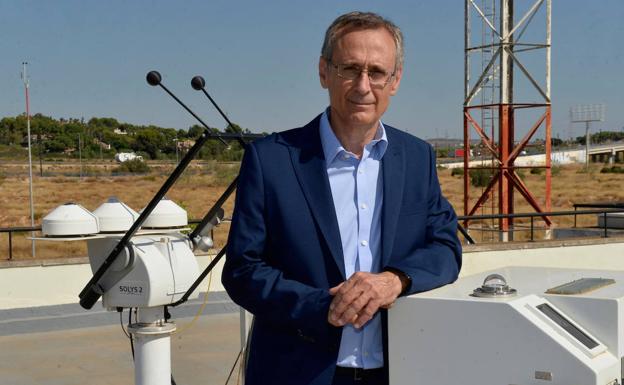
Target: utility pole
(80, 154)
(30, 176)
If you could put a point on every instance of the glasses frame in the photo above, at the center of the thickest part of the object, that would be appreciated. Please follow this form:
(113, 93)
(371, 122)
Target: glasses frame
(338, 68)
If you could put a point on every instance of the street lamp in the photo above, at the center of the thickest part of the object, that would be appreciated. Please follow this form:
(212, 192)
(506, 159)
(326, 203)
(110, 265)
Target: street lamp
(587, 113)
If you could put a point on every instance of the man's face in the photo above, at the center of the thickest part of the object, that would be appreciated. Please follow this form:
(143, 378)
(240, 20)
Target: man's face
(356, 103)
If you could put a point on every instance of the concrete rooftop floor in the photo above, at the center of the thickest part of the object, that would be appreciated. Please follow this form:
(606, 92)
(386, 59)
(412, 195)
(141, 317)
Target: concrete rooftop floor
(74, 353)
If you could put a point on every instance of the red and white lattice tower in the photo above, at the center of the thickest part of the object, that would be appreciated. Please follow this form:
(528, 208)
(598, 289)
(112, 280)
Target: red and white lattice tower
(498, 105)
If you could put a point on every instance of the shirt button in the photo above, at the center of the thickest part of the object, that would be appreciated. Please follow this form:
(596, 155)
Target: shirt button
(360, 171)
(363, 206)
(345, 157)
(364, 243)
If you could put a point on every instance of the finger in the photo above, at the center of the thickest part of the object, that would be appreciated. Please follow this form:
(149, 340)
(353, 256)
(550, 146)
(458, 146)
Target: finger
(334, 290)
(339, 291)
(348, 284)
(332, 320)
(346, 292)
(367, 313)
(343, 319)
(355, 308)
(352, 298)
(349, 316)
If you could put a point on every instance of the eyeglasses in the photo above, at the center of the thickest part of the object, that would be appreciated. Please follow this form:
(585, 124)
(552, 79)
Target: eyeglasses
(376, 77)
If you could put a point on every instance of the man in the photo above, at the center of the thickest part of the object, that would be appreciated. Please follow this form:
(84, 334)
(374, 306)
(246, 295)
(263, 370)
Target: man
(336, 219)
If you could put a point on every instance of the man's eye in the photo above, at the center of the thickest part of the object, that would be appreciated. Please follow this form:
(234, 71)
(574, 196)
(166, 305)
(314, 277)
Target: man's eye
(351, 71)
(377, 75)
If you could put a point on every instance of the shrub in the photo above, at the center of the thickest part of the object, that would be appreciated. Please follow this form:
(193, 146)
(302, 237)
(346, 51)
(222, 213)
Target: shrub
(537, 171)
(612, 170)
(134, 166)
(480, 176)
(457, 171)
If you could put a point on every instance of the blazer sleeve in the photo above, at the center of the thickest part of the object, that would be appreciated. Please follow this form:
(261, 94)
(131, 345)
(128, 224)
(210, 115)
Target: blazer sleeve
(249, 279)
(438, 260)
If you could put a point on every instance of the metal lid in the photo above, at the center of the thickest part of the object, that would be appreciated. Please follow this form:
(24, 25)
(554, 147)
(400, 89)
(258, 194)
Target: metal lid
(166, 215)
(69, 219)
(115, 216)
(494, 286)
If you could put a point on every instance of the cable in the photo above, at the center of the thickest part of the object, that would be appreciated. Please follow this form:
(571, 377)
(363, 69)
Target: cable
(131, 338)
(120, 310)
(201, 308)
(233, 367)
(240, 371)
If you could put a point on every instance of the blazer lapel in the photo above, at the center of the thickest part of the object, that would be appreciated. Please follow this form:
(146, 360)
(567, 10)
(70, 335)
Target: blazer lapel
(309, 165)
(393, 166)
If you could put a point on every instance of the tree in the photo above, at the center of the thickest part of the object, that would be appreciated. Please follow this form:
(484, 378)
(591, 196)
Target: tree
(556, 141)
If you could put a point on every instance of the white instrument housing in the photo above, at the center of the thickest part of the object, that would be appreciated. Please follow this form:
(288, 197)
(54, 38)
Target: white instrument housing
(453, 336)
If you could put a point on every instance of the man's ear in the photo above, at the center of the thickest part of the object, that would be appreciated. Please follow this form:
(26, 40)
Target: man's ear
(323, 72)
(394, 84)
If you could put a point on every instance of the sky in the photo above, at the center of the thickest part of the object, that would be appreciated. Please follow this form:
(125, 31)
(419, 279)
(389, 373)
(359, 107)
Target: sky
(89, 58)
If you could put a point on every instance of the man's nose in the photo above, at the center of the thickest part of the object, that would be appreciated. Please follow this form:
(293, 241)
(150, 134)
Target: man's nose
(362, 83)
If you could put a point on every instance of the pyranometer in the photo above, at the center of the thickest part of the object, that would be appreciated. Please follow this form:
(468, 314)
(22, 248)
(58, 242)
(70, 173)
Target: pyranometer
(70, 219)
(115, 216)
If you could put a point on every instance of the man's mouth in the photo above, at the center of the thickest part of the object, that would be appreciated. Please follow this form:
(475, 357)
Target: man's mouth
(361, 103)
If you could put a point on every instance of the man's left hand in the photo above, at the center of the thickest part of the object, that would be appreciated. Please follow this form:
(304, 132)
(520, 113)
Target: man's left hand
(358, 299)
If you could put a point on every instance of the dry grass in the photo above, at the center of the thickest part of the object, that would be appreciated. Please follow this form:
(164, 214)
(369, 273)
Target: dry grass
(196, 191)
(202, 184)
(570, 184)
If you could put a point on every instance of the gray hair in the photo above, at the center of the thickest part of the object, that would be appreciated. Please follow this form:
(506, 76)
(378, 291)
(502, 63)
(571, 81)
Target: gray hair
(354, 21)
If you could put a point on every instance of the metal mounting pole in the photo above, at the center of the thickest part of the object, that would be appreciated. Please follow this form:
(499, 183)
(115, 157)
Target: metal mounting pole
(152, 352)
(30, 176)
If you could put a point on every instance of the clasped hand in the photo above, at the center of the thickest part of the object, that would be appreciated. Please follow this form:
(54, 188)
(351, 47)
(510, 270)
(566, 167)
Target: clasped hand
(358, 299)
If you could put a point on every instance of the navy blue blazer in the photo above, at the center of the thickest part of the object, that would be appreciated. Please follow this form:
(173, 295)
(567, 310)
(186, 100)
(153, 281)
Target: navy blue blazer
(284, 250)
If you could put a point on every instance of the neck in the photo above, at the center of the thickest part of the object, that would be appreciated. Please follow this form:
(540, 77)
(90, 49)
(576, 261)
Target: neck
(352, 137)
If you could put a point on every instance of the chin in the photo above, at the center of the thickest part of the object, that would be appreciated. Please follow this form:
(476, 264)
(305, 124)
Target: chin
(363, 118)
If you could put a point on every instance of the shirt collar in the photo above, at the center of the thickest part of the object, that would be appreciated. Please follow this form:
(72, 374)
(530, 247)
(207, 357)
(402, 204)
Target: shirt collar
(331, 144)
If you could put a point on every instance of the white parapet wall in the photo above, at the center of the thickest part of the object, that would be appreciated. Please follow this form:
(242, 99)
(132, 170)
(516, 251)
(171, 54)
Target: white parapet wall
(59, 282)
(54, 283)
(558, 158)
(602, 253)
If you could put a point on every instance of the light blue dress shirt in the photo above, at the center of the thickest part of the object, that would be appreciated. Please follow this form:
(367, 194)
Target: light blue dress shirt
(356, 187)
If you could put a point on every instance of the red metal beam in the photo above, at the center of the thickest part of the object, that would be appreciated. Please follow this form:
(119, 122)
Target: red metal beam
(505, 206)
(484, 196)
(514, 154)
(522, 188)
(484, 138)
(505, 154)
(548, 151)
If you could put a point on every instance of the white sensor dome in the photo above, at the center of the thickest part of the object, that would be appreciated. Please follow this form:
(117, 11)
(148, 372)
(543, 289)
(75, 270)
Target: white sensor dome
(166, 215)
(115, 216)
(70, 219)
